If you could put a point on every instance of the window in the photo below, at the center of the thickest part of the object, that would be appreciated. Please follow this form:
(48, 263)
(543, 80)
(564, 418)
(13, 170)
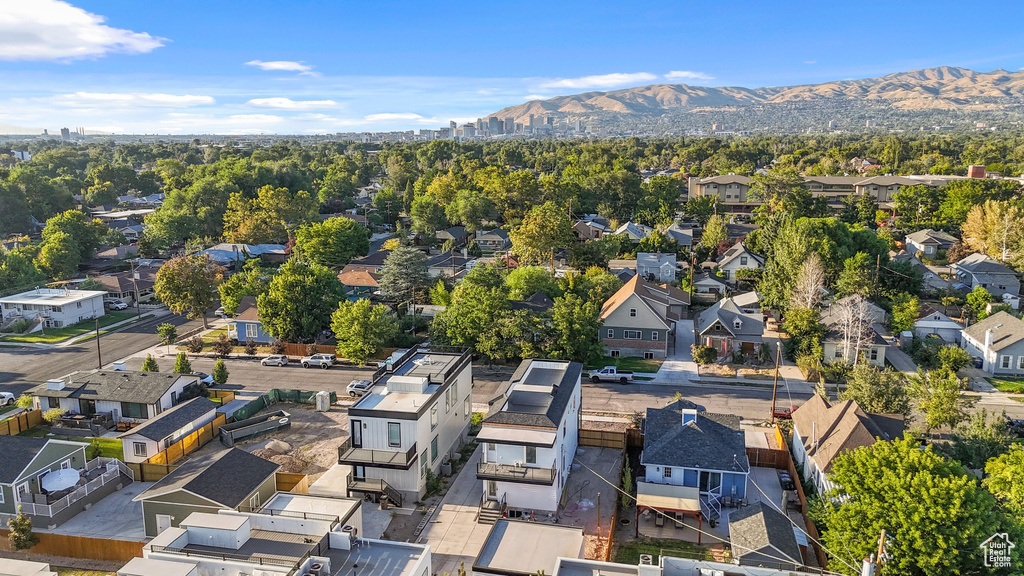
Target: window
(718, 327)
(743, 260)
(423, 464)
(467, 407)
(667, 473)
(254, 502)
(611, 333)
(613, 353)
(632, 311)
(433, 449)
(531, 454)
(1, 496)
(52, 402)
(394, 434)
(1020, 362)
(648, 355)
(1004, 361)
(874, 353)
(654, 335)
(433, 416)
(134, 410)
(250, 331)
(65, 465)
(139, 448)
(632, 334)
(839, 352)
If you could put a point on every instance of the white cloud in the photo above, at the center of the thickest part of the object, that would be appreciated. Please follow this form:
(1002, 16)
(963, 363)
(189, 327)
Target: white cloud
(56, 30)
(283, 66)
(688, 75)
(393, 116)
(289, 104)
(810, 61)
(601, 81)
(82, 99)
(536, 97)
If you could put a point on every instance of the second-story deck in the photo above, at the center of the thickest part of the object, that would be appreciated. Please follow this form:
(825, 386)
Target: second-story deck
(394, 459)
(510, 473)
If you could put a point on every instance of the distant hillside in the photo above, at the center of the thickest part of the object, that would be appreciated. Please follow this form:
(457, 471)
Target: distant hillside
(933, 96)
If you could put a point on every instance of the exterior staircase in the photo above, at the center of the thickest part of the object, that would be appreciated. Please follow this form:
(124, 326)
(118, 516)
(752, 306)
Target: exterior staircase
(491, 511)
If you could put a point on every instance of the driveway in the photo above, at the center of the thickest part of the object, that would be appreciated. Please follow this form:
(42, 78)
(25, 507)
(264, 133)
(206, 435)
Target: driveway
(679, 367)
(115, 517)
(900, 360)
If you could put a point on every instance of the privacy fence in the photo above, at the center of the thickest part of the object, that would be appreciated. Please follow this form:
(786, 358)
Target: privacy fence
(278, 395)
(162, 463)
(21, 422)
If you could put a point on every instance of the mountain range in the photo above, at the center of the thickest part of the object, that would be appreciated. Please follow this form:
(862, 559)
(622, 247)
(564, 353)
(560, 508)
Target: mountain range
(934, 96)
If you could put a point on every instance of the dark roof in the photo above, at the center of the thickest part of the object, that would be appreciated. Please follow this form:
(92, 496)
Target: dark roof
(521, 410)
(539, 302)
(173, 420)
(118, 386)
(16, 452)
(1006, 329)
(375, 259)
(453, 233)
(226, 478)
(759, 528)
(710, 442)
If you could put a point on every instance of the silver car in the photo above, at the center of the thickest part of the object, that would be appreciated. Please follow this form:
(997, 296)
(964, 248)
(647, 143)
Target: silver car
(275, 360)
(358, 388)
(324, 361)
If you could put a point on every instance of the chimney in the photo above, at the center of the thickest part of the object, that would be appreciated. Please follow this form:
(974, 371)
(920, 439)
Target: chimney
(988, 340)
(55, 384)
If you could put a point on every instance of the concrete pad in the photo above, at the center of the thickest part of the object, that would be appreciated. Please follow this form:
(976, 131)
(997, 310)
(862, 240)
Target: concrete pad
(115, 517)
(375, 520)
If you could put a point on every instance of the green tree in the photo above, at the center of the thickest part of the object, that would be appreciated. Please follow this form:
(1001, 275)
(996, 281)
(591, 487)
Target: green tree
(544, 228)
(780, 190)
(525, 281)
(977, 300)
(877, 391)
(21, 536)
(182, 365)
(575, 323)
(953, 358)
(298, 305)
(700, 208)
(473, 311)
(186, 285)
(935, 514)
(714, 234)
(1004, 476)
(220, 372)
(253, 280)
(857, 276)
(168, 333)
(937, 394)
(404, 276)
(362, 329)
(979, 439)
(427, 216)
(805, 332)
(388, 205)
(85, 232)
(332, 243)
(905, 311)
(149, 364)
(658, 241)
(59, 256)
(270, 217)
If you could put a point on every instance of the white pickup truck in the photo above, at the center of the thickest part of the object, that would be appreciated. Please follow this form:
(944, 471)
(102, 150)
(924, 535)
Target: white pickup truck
(611, 374)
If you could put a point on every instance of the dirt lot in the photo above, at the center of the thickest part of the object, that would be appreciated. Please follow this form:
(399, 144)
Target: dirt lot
(312, 440)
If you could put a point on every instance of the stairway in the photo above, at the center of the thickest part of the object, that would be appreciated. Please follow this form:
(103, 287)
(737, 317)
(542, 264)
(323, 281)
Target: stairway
(490, 512)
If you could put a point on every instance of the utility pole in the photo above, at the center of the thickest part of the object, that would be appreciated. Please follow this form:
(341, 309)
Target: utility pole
(99, 357)
(135, 286)
(599, 517)
(775, 386)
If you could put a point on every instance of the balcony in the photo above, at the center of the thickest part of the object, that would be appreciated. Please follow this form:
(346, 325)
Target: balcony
(522, 474)
(395, 459)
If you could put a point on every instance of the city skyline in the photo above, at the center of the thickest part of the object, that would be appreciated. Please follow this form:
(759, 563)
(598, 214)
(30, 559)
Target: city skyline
(304, 68)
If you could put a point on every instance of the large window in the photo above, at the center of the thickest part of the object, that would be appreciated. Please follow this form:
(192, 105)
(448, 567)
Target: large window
(632, 334)
(251, 331)
(433, 449)
(52, 402)
(394, 434)
(531, 454)
(1004, 361)
(139, 448)
(134, 410)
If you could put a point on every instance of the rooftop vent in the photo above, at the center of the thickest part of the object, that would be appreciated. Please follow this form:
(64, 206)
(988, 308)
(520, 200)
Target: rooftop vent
(55, 384)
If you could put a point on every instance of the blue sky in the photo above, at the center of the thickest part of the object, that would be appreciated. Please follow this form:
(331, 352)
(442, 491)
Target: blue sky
(333, 66)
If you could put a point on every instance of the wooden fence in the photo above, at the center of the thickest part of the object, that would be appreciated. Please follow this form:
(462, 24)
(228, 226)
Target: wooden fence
(295, 483)
(812, 531)
(603, 439)
(769, 458)
(780, 439)
(120, 551)
(146, 472)
(163, 463)
(225, 396)
(21, 422)
(634, 438)
(292, 349)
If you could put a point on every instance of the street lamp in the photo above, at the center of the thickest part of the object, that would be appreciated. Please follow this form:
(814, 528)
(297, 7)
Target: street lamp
(775, 386)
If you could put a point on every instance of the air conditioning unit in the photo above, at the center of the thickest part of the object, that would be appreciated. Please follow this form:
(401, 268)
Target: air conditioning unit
(518, 464)
(646, 560)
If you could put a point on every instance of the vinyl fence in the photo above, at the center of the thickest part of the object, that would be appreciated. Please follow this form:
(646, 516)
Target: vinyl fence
(21, 422)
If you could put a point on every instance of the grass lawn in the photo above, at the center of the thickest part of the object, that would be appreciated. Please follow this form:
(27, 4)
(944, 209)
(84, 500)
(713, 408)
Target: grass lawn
(6, 409)
(629, 551)
(109, 447)
(1011, 385)
(54, 335)
(630, 364)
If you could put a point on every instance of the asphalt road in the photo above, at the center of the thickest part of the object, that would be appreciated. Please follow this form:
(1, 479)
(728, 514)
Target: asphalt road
(24, 368)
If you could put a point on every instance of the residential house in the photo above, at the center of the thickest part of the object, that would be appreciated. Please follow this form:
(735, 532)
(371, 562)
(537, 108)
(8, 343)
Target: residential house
(737, 258)
(617, 265)
(591, 227)
(46, 478)
(231, 479)
(53, 307)
(999, 341)
(156, 434)
(227, 253)
(656, 267)
(729, 329)
(122, 286)
(707, 283)
(930, 281)
(980, 270)
(761, 535)
(450, 264)
(522, 548)
(123, 395)
(246, 324)
(640, 318)
(822, 431)
(410, 422)
(457, 235)
(634, 231)
(529, 438)
(12, 567)
(274, 543)
(118, 252)
(132, 232)
(749, 302)
(370, 263)
(929, 242)
(358, 282)
(496, 240)
(854, 332)
(683, 235)
(693, 460)
(932, 321)
(538, 302)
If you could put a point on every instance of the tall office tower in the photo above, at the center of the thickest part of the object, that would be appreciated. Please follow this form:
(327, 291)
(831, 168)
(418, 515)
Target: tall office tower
(492, 125)
(451, 129)
(510, 125)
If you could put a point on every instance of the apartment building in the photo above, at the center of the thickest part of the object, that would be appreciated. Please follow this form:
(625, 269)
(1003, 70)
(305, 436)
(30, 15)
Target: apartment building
(529, 438)
(410, 422)
(53, 307)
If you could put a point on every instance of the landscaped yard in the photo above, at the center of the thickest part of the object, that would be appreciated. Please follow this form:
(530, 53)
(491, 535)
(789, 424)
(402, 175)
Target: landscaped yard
(54, 335)
(7, 409)
(1011, 385)
(109, 447)
(629, 551)
(630, 364)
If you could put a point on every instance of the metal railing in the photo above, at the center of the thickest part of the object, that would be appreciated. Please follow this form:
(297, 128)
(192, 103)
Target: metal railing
(348, 454)
(374, 485)
(52, 509)
(505, 472)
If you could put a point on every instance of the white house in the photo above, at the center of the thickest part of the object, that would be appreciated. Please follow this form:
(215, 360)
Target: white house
(999, 341)
(736, 258)
(529, 438)
(124, 395)
(410, 422)
(54, 307)
(931, 321)
(155, 435)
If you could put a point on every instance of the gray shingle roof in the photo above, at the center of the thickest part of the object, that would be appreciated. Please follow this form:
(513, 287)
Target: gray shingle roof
(735, 251)
(727, 313)
(517, 413)
(929, 236)
(116, 386)
(173, 420)
(761, 528)
(227, 477)
(711, 442)
(538, 302)
(15, 454)
(1006, 330)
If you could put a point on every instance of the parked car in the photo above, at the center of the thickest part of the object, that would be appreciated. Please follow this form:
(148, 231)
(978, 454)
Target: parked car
(7, 399)
(219, 313)
(784, 413)
(204, 378)
(324, 361)
(611, 374)
(275, 360)
(115, 305)
(358, 388)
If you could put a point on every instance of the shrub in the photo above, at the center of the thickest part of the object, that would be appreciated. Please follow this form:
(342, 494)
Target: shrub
(808, 364)
(93, 451)
(250, 347)
(311, 349)
(220, 372)
(182, 365)
(953, 358)
(53, 415)
(703, 354)
(836, 371)
(149, 364)
(24, 401)
(21, 536)
(194, 344)
(434, 484)
(223, 345)
(20, 326)
(277, 347)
